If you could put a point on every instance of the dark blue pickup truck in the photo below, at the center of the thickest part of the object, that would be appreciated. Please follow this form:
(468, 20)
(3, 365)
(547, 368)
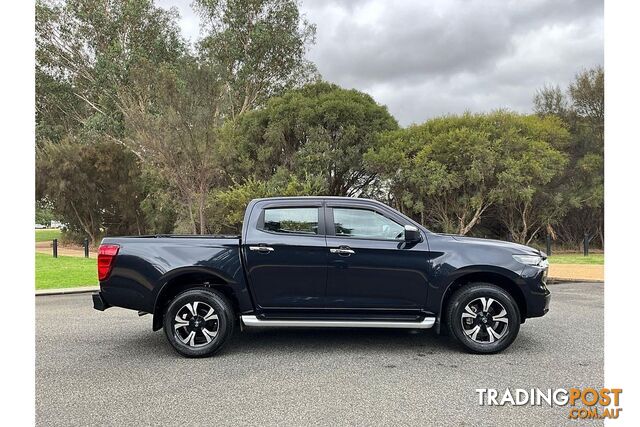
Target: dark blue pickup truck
(330, 262)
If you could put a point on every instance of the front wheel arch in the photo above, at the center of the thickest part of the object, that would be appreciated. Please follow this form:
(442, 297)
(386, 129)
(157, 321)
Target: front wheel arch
(497, 279)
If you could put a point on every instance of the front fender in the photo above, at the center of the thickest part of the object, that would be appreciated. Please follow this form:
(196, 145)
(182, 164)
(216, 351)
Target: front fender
(442, 283)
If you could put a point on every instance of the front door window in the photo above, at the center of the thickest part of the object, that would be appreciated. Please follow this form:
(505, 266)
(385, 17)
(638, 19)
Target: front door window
(365, 224)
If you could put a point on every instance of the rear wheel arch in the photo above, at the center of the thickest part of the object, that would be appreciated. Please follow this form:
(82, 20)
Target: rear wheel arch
(493, 278)
(188, 280)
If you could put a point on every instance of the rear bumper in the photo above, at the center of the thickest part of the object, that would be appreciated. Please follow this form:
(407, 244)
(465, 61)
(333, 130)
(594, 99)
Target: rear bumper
(99, 302)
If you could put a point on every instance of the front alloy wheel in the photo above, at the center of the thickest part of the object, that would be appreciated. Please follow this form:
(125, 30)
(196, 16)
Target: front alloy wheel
(485, 320)
(483, 317)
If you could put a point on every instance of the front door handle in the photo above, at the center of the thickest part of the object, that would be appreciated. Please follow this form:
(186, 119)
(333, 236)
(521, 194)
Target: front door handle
(261, 249)
(344, 251)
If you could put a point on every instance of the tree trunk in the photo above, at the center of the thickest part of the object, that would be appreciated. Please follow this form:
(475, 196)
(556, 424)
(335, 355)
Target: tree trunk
(464, 229)
(84, 225)
(203, 225)
(138, 224)
(194, 229)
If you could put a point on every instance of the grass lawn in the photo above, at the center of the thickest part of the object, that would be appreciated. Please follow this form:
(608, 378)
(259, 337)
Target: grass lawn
(47, 235)
(64, 272)
(576, 258)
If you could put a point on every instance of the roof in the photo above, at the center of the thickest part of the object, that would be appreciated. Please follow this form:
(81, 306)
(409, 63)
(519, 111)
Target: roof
(316, 198)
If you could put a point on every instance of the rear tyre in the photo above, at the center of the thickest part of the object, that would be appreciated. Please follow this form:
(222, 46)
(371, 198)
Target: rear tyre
(483, 317)
(198, 322)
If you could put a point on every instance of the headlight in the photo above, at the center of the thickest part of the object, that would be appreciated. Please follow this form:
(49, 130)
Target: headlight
(530, 260)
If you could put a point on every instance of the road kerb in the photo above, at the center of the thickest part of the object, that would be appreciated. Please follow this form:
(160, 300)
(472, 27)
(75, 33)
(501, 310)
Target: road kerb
(67, 291)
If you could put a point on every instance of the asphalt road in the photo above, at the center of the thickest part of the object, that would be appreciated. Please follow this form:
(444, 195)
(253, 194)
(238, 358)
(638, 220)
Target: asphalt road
(109, 368)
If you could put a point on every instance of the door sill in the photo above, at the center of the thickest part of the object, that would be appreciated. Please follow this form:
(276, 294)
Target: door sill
(250, 320)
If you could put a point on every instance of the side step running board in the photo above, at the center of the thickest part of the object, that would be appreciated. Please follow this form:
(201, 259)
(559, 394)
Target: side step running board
(250, 320)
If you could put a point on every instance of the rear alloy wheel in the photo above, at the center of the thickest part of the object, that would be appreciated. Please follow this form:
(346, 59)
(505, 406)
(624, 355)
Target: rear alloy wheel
(483, 317)
(198, 322)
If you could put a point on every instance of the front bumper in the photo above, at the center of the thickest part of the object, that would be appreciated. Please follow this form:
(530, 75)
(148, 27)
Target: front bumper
(99, 302)
(538, 304)
(535, 291)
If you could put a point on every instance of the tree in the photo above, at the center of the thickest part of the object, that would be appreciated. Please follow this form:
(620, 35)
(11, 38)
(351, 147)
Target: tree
(172, 123)
(228, 205)
(581, 186)
(85, 50)
(44, 213)
(257, 46)
(550, 100)
(120, 71)
(587, 96)
(320, 130)
(526, 203)
(449, 171)
(94, 187)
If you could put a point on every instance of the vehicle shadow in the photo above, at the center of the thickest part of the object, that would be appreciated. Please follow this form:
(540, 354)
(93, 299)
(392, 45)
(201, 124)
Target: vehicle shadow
(304, 341)
(319, 341)
(315, 340)
(360, 341)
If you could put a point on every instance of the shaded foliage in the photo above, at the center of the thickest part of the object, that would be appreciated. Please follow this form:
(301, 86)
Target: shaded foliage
(95, 188)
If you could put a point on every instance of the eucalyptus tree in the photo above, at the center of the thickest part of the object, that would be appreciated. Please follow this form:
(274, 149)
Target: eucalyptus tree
(450, 170)
(581, 186)
(320, 130)
(257, 46)
(85, 52)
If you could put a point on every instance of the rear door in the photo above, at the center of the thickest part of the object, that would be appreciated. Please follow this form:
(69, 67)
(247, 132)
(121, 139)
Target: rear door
(286, 256)
(370, 266)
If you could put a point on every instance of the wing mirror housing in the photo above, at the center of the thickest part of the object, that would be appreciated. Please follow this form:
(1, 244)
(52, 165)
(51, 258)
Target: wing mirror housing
(412, 234)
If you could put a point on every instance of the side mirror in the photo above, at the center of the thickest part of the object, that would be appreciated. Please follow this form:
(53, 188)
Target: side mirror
(412, 234)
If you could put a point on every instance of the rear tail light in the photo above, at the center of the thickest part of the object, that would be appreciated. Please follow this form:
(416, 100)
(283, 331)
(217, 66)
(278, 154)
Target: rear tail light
(106, 257)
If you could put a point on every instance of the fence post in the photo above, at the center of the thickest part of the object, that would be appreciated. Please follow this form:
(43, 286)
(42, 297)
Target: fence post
(86, 247)
(586, 244)
(55, 248)
(548, 245)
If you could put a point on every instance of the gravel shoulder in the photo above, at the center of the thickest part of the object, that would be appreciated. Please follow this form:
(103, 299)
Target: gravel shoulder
(575, 272)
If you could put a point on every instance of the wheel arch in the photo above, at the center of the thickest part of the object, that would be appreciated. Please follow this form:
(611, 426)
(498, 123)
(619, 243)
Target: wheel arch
(182, 279)
(499, 278)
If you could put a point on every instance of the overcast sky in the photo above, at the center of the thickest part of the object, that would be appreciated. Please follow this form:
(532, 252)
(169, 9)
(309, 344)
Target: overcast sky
(425, 58)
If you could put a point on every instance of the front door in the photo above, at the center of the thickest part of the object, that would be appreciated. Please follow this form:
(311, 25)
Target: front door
(286, 258)
(370, 264)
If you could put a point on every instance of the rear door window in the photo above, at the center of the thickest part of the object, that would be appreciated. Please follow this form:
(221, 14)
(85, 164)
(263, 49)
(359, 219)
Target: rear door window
(291, 220)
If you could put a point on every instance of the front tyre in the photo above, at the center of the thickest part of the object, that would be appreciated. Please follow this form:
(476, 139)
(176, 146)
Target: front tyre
(198, 322)
(483, 317)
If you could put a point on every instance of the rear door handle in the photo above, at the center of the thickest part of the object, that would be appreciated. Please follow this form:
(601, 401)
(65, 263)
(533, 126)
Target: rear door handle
(342, 251)
(261, 249)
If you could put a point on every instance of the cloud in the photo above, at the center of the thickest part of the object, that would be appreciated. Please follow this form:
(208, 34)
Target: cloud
(189, 20)
(428, 58)
(425, 58)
